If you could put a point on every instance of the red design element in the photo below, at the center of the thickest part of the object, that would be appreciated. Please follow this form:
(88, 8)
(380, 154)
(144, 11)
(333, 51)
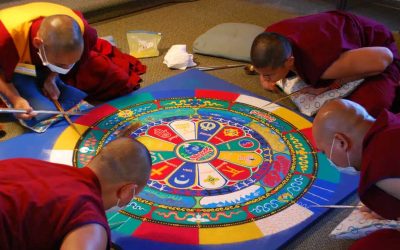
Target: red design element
(230, 183)
(230, 105)
(205, 151)
(174, 162)
(263, 115)
(248, 214)
(84, 159)
(165, 133)
(231, 171)
(96, 115)
(163, 233)
(307, 132)
(216, 94)
(309, 176)
(157, 102)
(161, 170)
(279, 170)
(289, 131)
(228, 133)
(148, 215)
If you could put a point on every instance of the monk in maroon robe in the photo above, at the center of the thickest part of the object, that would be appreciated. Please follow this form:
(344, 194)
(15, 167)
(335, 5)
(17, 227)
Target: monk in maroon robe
(46, 205)
(349, 136)
(60, 43)
(327, 50)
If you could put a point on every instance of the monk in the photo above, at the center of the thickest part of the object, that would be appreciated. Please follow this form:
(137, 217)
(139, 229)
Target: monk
(327, 50)
(349, 136)
(53, 206)
(60, 43)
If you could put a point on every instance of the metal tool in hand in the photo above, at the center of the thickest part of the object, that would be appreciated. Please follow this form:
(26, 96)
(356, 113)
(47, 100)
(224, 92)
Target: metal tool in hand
(282, 98)
(24, 111)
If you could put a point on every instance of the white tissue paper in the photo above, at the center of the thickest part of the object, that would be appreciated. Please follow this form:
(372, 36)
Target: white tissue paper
(178, 58)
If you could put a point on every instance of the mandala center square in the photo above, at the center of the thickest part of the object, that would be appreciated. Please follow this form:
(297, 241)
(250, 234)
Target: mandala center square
(196, 151)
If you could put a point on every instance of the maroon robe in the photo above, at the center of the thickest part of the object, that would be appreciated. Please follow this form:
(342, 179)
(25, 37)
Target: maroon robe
(107, 72)
(41, 202)
(380, 161)
(318, 40)
(385, 239)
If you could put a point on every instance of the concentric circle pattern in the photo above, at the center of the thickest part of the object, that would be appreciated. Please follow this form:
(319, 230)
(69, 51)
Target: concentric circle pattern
(215, 163)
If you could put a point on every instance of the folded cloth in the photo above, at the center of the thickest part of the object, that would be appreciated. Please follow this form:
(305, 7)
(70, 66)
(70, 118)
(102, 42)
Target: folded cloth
(310, 104)
(178, 58)
(71, 99)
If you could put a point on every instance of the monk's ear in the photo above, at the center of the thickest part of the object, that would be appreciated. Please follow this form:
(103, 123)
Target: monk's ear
(344, 142)
(127, 191)
(37, 42)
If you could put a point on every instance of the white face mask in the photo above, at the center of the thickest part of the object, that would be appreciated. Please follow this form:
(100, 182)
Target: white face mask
(53, 67)
(114, 210)
(117, 207)
(345, 170)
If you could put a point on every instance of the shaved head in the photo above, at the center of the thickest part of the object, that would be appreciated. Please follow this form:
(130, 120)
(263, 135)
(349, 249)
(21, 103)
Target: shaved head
(345, 122)
(61, 34)
(270, 50)
(123, 160)
(338, 116)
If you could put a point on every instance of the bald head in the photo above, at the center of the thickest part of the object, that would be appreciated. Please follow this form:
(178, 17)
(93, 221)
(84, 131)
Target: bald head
(61, 34)
(340, 116)
(123, 160)
(270, 50)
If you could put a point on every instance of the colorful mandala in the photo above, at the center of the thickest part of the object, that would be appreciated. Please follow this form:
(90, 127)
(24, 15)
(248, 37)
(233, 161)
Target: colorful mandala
(222, 167)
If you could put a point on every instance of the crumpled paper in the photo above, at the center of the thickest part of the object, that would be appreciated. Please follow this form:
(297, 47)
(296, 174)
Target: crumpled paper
(178, 58)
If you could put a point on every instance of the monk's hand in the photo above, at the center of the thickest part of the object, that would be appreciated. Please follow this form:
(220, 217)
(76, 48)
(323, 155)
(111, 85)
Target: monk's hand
(21, 103)
(268, 85)
(50, 87)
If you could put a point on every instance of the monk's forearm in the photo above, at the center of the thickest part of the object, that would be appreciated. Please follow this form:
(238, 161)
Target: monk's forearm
(359, 63)
(50, 87)
(90, 236)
